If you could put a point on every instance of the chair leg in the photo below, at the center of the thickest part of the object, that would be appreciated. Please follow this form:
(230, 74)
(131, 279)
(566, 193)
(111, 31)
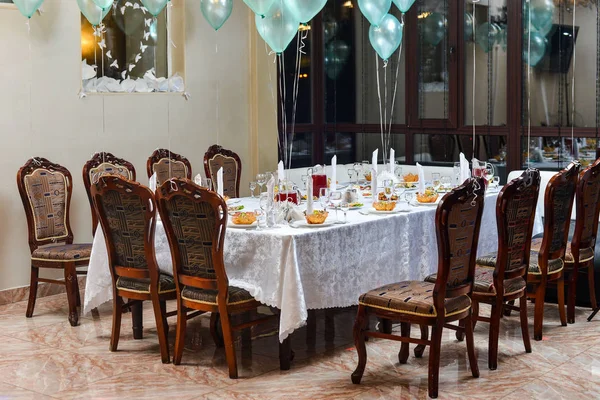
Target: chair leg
(285, 354)
(495, 316)
(311, 329)
(215, 324)
(33, 285)
(571, 294)
(538, 317)
(560, 288)
(434, 358)
(592, 285)
(329, 325)
(420, 348)
(180, 334)
(474, 312)
(470, 347)
(72, 290)
(137, 319)
(229, 345)
(246, 334)
(524, 322)
(163, 312)
(359, 341)
(460, 334)
(507, 310)
(116, 323)
(404, 349)
(163, 340)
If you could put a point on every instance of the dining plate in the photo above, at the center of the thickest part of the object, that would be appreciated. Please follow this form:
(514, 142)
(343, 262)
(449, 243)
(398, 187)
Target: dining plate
(304, 224)
(231, 202)
(394, 211)
(434, 204)
(243, 226)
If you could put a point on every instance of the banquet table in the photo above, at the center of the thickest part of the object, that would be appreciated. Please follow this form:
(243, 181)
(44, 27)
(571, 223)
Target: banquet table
(296, 269)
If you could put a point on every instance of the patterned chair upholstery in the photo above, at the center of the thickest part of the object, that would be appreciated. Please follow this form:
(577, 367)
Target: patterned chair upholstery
(167, 165)
(217, 157)
(45, 189)
(436, 304)
(195, 220)
(102, 164)
(127, 214)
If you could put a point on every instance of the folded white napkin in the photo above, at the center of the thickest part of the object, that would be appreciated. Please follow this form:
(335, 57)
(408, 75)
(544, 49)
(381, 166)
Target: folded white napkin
(271, 191)
(152, 182)
(374, 183)
(333, 185)
(392, 161)
(280, 171)
(293, 213)
(374, 159)
(465, 173)
(198, 180)
(220, 181)
(309, 194)
(421, 174)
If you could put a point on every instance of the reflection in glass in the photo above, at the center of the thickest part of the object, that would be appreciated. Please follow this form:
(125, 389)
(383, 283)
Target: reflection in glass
(350, 147)
(560, 53)
(489, 43)
(304, 78)
(302, 150)
(554, 153)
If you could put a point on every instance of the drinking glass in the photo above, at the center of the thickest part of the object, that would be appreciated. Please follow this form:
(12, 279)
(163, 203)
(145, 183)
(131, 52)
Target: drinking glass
(366, 170)
(496, 182)
(261, 179)
(336, 197)
(261, 221)
(446, 182)
(357, 169)
(435, 181)
(345, 206)
(264, 201)
(252, 188)
(388, 188)
(456, 169)
(350, 173)
(324, 197)
(409, 196)
(304, 179)
(398, 170)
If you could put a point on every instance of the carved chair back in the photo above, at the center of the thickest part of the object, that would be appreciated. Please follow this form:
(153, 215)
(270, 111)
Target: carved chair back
(217, 157)
(167, 165)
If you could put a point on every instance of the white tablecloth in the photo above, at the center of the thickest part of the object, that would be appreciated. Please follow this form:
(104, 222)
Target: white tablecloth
(297, 269)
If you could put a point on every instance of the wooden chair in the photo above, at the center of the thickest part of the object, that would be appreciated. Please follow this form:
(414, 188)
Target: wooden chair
(457, 223)
(580, 252)
(549, 251)
(168, 165)
(45, 190)
(217, 157)
(101, 164)
(127, 214)
(500, 277)
(195, 220)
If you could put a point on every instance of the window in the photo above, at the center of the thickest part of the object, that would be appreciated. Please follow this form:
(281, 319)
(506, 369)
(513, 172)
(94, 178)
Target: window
(130, 52)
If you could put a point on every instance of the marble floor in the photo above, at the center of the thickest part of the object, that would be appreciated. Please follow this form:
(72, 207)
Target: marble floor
(44, 358)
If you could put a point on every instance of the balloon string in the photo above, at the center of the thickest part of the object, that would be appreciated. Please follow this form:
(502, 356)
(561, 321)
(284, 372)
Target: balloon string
(395, 86)
(529, 86)
(155, 23)
(300, 45)
(474, 74)
(95, 29)
(379, 97)
(218, 83)
(103, 130)
(169, 137)
(271, 90)
(170, 6)
(573, 147)
(103, 43)
(281, 77)
(30, 82)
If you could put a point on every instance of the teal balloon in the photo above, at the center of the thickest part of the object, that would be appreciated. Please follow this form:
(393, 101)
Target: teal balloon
(374, 10)
(336, 57)
(486, 36)
(155, 7)
(546, 29)
(386, 37)
(216, 12)
(260, 7)
(92, 12)
(468, 27)
(305, 10)
(404, 5)
(278, 27)
(434, 28)
(104, 4)
(542, 14)
(539, 44)
(28, 7)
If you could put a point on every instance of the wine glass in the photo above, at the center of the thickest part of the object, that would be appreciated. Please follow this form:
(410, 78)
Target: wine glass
(398, 171)
(457, 173)
(261, 179)
(489, 172)
(388, 188)
(252, 188)
(357, 169)
(409, 196)
(345, 206)
(350, 173)
(261, 221)
(324, 197)
(496, 182)
(264, 201)
(435, 181)
(446, 182)
(366, 170)
(336, 197)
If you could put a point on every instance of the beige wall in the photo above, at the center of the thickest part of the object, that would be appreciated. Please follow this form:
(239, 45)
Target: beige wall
(68, 130)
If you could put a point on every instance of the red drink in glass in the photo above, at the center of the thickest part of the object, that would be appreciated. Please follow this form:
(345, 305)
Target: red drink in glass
(481, 172)
(319, 181)
(288, 195)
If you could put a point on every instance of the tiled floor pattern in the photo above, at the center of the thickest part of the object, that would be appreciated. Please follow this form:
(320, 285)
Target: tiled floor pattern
(44, 357)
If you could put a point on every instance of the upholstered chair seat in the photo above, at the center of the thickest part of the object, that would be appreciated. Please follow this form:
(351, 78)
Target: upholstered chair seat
(586, 254)
(166, 284)
(207, 296)
(63, 252)
(554, 265)
(412, 297)
(484, 282)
